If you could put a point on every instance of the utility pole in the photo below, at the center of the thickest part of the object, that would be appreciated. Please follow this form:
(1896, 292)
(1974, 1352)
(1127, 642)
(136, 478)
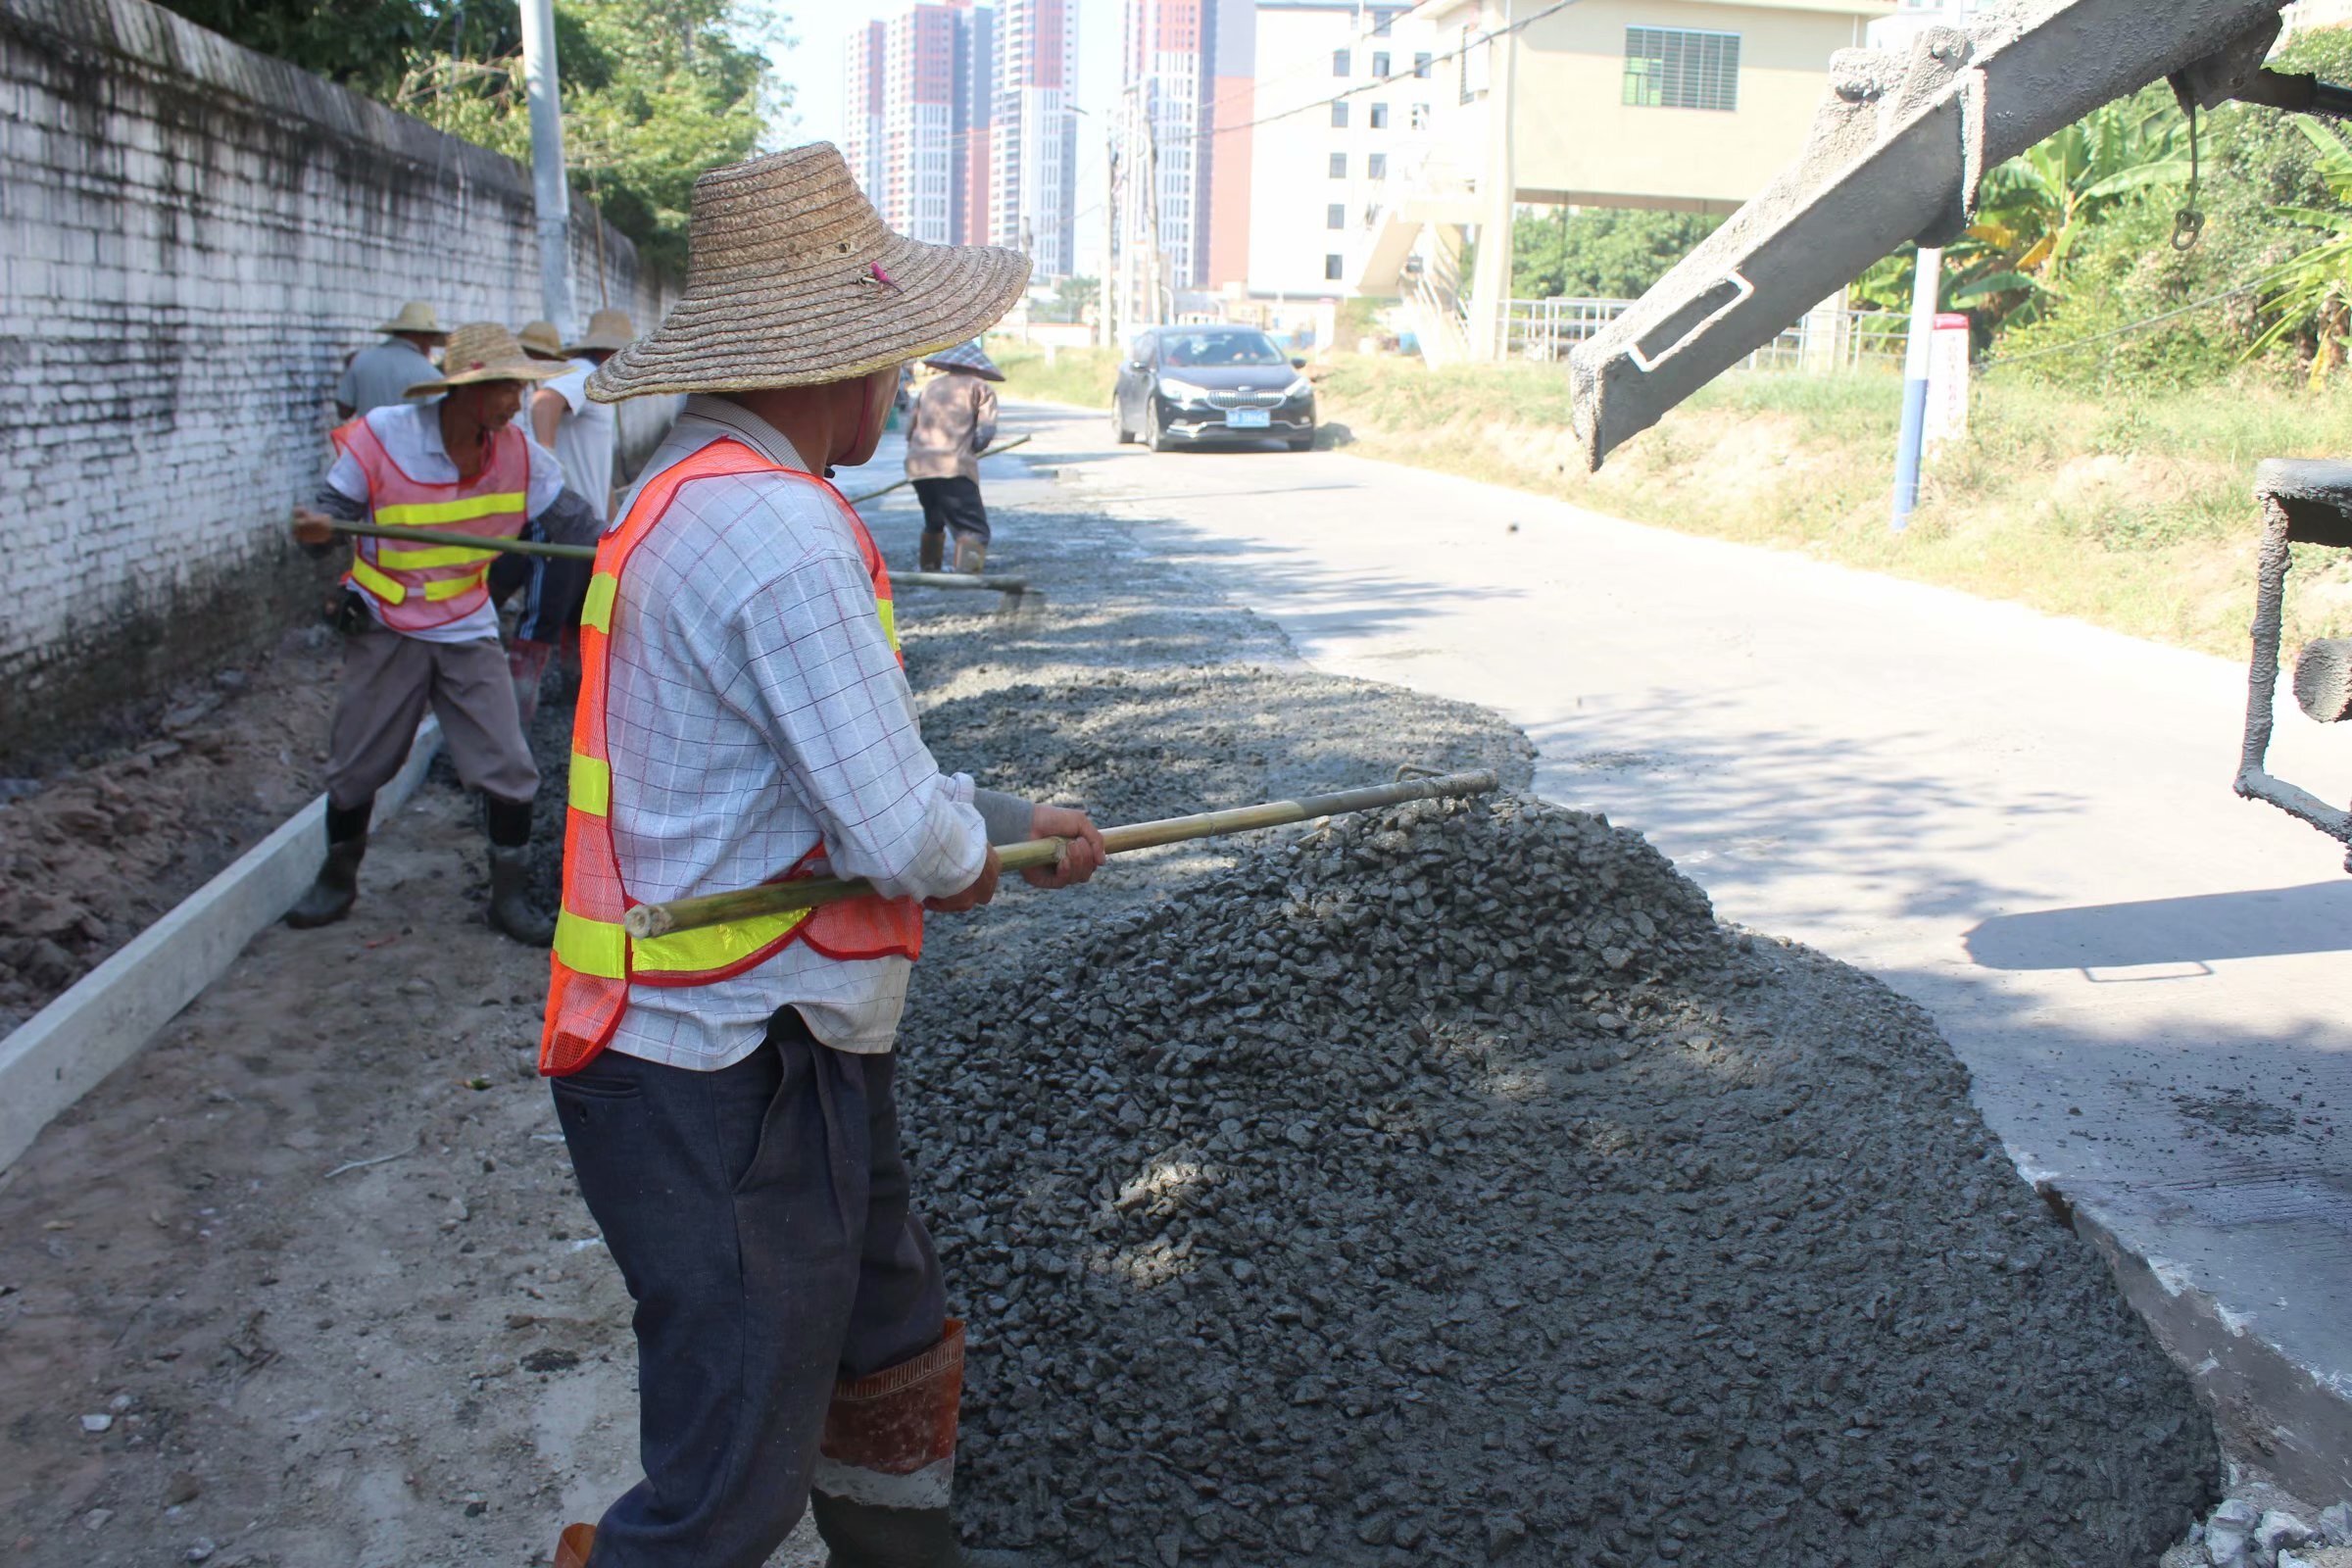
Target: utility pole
(1926, 284)
(1162, 306)
(550, 192)
(1106, 320)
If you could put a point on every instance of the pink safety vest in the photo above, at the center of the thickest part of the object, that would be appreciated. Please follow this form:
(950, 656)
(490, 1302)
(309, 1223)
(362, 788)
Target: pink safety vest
(417, 585)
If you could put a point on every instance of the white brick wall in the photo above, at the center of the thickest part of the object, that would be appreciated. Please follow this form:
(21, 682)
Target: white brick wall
(192, 238)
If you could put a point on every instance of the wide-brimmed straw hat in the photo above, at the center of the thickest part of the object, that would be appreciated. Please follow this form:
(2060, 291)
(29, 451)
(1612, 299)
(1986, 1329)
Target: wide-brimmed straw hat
(967, 357)
(541, 340)
(415, 316)
(791, 279)
(608, 330)
(484, 351)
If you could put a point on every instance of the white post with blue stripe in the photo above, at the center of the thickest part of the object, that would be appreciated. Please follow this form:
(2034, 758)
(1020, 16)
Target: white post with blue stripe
(1924, 283)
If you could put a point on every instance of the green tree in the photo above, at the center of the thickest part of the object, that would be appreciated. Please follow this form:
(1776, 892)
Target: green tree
(1599, 252)
(655, 91)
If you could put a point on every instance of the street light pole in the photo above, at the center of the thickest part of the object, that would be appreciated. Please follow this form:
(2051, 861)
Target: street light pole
(550, 192)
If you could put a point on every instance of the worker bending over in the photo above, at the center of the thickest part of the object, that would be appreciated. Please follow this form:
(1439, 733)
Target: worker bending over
(727, 1095)
(420, 629)
(954, 420)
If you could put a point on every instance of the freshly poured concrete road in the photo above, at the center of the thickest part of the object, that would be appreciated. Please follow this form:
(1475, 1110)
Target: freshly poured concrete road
(2024, 823)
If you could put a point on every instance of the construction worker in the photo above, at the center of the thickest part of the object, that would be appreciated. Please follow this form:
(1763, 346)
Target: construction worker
(384, 372)
(420, 627)
(954, 420)
(584, 435)
(726, 1094)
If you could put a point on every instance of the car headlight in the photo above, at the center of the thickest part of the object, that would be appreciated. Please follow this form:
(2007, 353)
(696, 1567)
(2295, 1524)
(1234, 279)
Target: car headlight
(1298, 388)
(1182, 391)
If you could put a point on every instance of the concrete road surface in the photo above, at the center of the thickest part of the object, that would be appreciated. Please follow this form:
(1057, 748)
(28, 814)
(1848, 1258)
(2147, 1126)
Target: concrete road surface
(2024, 823)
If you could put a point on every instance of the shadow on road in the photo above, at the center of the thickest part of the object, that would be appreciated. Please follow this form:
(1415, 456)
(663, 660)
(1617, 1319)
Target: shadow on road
(2258, 923)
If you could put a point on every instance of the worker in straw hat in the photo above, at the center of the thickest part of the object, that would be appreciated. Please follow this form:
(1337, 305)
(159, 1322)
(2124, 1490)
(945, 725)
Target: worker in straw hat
(954, 420)
(727, 1095)
(420, 627)
(384, 372)
(584, 435)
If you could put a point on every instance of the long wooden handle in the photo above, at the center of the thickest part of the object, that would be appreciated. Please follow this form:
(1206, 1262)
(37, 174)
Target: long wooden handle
(1002, 446)
(540, 547)
(807, 893)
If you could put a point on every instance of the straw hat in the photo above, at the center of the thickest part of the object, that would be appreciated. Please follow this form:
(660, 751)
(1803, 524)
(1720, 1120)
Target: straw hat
(967, 357)
(415, 316)
(541, 340)
(792, 281)
(608, 330)
(484, 351)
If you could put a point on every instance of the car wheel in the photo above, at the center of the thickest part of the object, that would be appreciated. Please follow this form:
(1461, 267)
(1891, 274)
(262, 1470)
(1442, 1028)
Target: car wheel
(1301, 443)
(1153, 436)
(1118, 425)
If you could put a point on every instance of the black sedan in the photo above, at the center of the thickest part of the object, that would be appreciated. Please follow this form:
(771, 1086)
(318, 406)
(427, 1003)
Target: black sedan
(1185, 385)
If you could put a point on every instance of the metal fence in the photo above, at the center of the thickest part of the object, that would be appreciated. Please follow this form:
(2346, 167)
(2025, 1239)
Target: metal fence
(1827, 339)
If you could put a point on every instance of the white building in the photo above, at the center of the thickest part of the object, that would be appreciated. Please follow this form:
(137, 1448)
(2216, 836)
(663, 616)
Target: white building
(1343, 105)
(1034, 130)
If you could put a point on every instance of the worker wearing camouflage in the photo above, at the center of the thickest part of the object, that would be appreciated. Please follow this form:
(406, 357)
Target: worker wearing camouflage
(727, 1093)
(419, 630)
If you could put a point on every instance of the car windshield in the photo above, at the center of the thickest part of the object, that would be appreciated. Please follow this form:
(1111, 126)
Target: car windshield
(1196, 350)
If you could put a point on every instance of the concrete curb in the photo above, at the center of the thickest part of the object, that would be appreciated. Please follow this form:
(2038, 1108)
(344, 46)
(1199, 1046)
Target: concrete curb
(108, 1016)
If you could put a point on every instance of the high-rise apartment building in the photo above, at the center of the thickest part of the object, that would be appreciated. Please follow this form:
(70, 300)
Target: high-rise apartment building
(1034, 145)
(862, 131)
(1192, 62)
(922, 91)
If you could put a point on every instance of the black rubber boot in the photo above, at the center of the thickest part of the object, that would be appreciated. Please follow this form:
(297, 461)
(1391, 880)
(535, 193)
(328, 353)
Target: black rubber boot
(932, 551)
(336, 888)
(510, 907)
(860, 1534)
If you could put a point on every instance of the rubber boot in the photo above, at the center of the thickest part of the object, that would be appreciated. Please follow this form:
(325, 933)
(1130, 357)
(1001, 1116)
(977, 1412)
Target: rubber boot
(932, 552)
(573, 1547)
(510, 909)
(330, 896)
(886, 1467)
(971, 554)
(526, 666)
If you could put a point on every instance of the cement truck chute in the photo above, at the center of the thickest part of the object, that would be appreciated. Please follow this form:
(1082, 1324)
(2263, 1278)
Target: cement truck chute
(1896, 153)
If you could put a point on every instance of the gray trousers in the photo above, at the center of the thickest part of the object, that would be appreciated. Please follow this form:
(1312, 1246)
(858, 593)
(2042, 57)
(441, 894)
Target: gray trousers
(760, 1217)
(388, 681)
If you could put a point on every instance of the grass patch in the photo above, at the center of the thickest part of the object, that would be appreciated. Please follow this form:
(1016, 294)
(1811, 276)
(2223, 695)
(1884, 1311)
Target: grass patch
(1083, 376)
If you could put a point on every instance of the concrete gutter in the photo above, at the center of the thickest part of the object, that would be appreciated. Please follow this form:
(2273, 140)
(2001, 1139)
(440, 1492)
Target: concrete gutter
(61, 1052)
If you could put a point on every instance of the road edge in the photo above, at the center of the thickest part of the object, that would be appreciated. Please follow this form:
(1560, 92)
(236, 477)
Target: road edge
(108, 1016)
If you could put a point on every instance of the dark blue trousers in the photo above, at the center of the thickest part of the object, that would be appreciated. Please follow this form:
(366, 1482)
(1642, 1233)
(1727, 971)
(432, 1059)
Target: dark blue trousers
(759, 1216)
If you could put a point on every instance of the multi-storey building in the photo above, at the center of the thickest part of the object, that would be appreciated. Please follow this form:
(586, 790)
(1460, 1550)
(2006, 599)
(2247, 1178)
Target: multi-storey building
(1345, 96)
(922, 93)
(1033, 162)
(1191, 61)
(861, 141)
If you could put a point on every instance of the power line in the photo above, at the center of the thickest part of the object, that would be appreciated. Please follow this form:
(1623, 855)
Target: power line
(2211, 300)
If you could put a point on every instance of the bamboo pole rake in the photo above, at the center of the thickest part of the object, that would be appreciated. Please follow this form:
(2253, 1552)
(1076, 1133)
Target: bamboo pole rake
(807, 893)
(540, 547)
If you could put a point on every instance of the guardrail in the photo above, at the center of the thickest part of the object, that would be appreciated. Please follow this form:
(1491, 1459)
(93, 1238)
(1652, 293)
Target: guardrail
(1836, 338)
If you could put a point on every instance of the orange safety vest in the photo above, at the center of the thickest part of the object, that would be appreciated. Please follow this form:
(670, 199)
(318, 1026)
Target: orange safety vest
(417, 586)
(595, 960)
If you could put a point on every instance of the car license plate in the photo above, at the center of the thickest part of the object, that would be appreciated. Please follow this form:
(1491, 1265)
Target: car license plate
(1246, 419)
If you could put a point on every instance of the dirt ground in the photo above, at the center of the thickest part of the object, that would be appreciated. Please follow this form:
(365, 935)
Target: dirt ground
(306, 1282)
(102, 838)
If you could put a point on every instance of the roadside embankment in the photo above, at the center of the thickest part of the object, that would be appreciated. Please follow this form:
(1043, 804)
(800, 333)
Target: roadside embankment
(2130, 509)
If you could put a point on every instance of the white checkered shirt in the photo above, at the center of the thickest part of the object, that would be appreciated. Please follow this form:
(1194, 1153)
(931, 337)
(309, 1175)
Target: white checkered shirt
(754, 705)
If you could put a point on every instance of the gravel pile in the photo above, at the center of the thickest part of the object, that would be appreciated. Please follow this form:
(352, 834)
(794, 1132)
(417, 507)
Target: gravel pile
(1449, 1187)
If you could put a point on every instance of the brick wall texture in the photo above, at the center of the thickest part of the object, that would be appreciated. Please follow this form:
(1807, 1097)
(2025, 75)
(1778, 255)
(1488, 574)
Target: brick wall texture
(194, 239)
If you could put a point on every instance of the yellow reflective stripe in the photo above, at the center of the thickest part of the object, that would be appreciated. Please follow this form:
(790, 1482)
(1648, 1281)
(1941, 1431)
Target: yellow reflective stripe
(596, 611)
(889, 612)
(713, 947)
(451, 587)
(591, 947)
(398, 559)
(591, 785)
(375, 583)
(434, 513)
